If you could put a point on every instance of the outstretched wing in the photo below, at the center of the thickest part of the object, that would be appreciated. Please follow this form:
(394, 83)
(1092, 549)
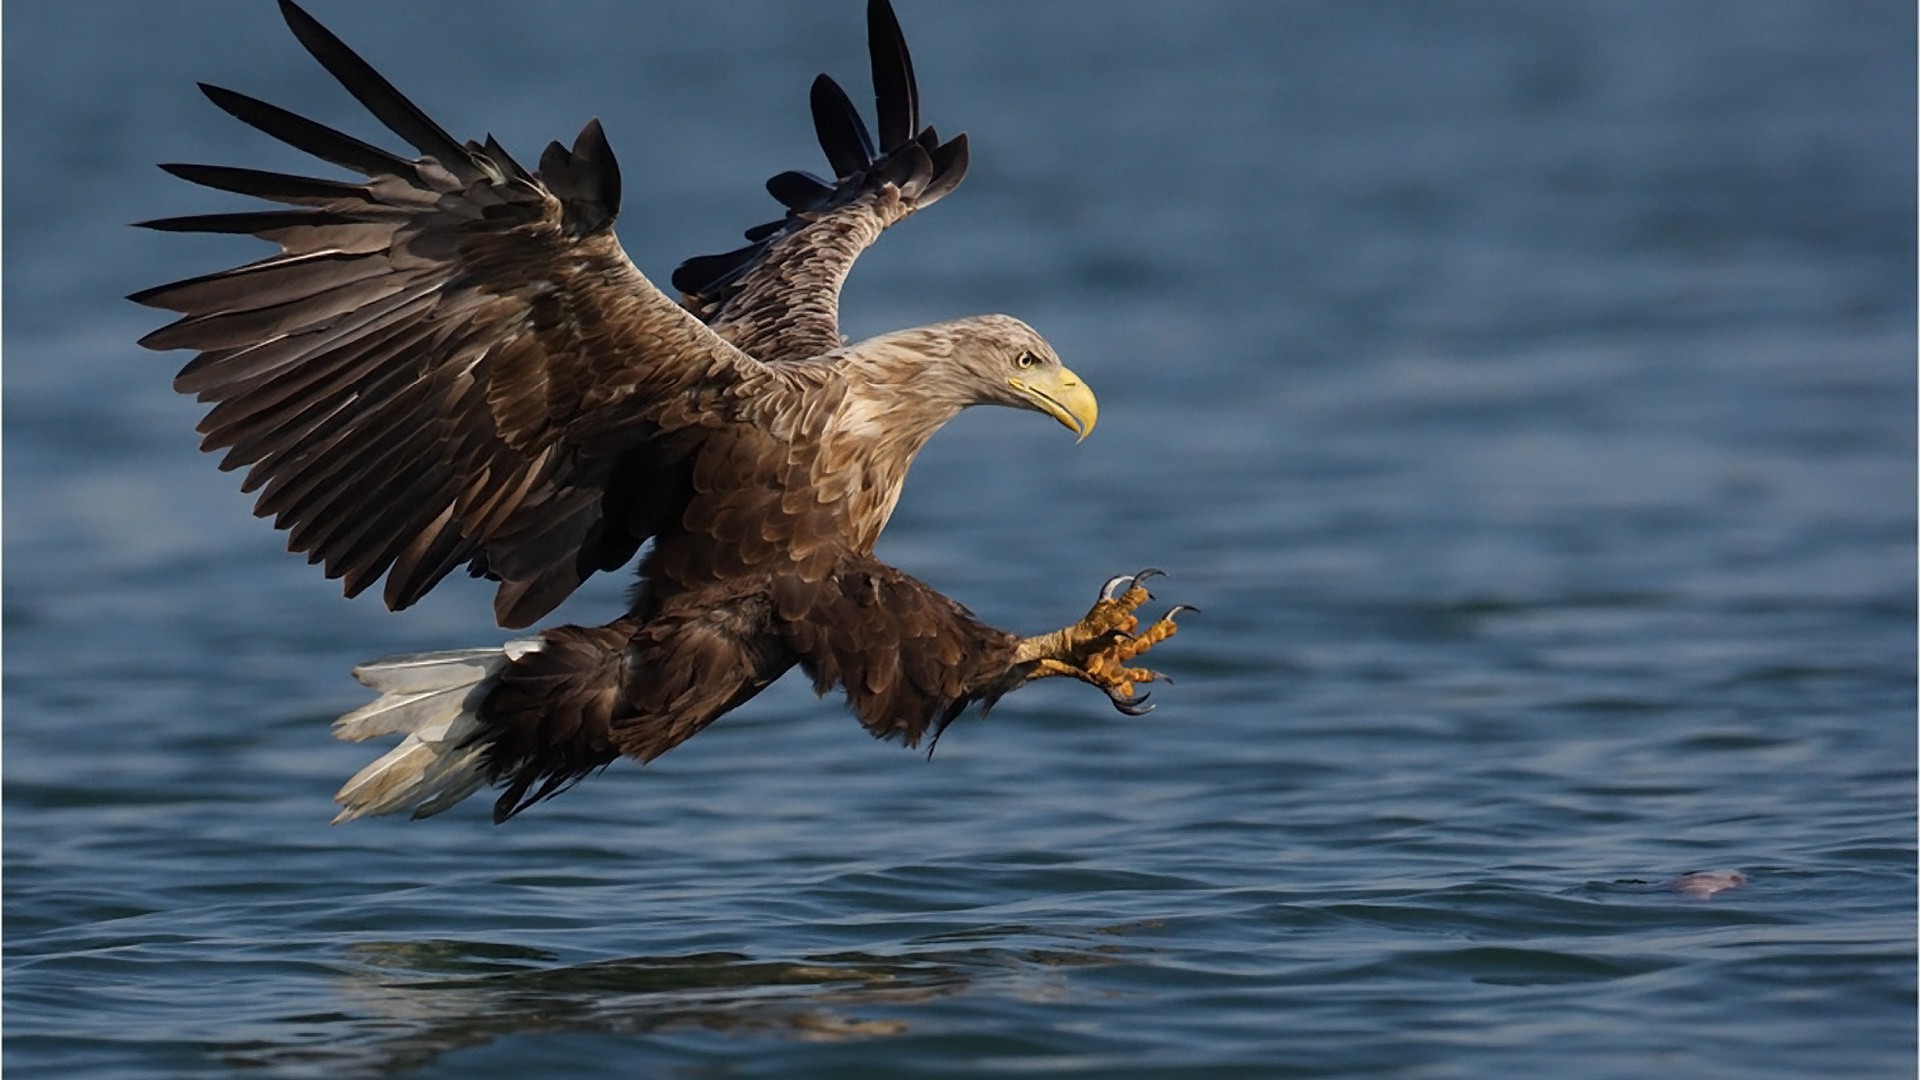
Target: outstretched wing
(449, 362)
(778, 298)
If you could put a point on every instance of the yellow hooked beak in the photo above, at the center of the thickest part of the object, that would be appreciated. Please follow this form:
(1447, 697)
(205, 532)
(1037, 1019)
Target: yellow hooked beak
(1060, 394)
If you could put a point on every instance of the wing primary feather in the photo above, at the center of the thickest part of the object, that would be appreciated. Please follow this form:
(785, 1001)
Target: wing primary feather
(949, 168)
(764, 229)
(260, 184)
(908, 168)
(843, 135)
(234, 326)
(419, 566)
(273, 281)
(896, 96)
(315, 138)
(387, 104)
(251, 221)
(704, 273)
(797, 190)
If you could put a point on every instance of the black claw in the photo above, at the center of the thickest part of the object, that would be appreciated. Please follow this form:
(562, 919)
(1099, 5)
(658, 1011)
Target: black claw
(1181, 609)
(1140, 579)
(1114, 585)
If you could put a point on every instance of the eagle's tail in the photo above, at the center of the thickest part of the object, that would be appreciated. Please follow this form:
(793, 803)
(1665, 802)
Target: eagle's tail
(432, 699)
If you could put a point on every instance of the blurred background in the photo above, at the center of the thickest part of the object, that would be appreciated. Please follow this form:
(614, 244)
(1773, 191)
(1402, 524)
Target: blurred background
(1526, 391)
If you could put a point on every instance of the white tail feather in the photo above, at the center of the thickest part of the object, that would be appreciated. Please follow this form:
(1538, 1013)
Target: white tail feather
(431, 698)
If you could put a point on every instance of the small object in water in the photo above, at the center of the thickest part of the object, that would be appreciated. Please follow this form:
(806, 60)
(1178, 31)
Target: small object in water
(1705, 884)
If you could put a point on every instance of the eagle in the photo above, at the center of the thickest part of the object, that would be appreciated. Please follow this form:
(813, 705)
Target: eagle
(451, 363)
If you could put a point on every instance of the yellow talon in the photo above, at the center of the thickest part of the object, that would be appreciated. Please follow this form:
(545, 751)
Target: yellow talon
(1096, 649)
(1155, 634)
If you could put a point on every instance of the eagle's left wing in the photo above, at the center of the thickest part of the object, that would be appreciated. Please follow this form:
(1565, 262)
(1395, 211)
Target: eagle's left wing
(778, 298)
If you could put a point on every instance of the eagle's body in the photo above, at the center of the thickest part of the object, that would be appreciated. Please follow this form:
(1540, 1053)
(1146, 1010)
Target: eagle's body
(452, 363)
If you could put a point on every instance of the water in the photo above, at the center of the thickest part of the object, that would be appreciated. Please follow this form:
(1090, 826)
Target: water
(1525, 391)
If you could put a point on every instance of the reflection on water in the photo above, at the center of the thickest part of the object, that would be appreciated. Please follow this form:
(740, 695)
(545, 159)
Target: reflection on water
(407, 1003)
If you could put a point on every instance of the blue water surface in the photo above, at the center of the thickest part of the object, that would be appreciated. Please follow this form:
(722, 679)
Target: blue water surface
(1525, 391)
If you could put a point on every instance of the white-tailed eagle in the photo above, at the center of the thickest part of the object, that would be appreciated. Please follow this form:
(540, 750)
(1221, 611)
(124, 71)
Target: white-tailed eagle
(451, 363)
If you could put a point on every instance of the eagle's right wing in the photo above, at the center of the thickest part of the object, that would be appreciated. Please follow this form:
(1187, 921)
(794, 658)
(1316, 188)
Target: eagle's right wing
(450, 360)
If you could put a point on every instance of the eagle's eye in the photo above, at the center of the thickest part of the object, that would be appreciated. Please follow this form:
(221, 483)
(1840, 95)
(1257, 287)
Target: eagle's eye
(1027, 360)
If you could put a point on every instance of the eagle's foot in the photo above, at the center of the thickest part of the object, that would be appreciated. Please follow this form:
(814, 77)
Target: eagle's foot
(1096, 649)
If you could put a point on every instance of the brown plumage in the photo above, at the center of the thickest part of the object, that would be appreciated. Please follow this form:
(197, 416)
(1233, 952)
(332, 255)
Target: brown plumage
(450, 363)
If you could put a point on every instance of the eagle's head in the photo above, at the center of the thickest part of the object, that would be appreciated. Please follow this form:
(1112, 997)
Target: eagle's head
(909, 383)
(999, 360)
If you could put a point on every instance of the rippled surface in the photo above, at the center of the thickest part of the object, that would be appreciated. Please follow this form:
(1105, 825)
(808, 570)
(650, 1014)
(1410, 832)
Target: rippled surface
(1525, 391)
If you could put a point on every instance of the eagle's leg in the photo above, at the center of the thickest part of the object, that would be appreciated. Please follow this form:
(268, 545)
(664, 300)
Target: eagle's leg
(1096, 649)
